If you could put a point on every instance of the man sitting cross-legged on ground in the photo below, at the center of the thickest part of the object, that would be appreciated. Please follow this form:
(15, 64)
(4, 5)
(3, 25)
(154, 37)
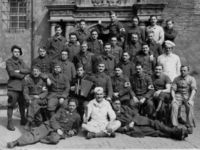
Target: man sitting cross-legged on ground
(99, 118)
(136, 125)
(65, 123)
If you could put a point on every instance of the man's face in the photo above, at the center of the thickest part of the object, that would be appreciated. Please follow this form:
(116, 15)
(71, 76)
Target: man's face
(114, 41)
(118, 72)
(153, 20)
(139, 70)
(134, 38)
(113, 17)
(80, 71)
(116, 105)
(150, 36)
(107, 49)
(94, 35)
(135, 22)
(145, 49)
(36, 72)
(58, 31)
(16, 53)
(73, 38)
(184, 71)
(99, 96)
(158, 70)
(168, 49)
(125, 57)
(101, 68)
(42, 52)
(170, 25)
(71, 106)
(82, 25)
(57, 69)
(64, 55)
(84, 47)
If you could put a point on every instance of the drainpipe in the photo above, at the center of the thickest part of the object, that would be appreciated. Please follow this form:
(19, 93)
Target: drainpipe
(32, 33)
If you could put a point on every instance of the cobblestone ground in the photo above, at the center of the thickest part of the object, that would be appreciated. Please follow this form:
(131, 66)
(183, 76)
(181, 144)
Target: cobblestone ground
(120, 142)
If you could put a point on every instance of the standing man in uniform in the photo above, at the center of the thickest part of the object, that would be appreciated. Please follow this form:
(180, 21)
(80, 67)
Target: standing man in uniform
(17, 70)
(65, 123)
(56, 43)
(116, 50)
(82, 33)
(170, 32)
(183, 91)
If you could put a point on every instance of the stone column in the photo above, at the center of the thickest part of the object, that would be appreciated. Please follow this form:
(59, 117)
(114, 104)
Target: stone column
(53, 24)
(69, 27)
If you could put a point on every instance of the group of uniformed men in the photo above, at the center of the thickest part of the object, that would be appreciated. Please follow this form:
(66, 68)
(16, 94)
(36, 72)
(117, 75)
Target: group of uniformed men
(130, 81)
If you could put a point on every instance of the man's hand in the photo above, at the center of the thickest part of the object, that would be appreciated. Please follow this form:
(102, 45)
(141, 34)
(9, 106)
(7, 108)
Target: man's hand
(99, 21)
(131, 124)
(60, 132)
(108, 99)
(61, 100)
(72, 88)
(36, 96)
(71, 133)
(151, 58)
(100, 41)
(191, 102)
(157, 93)
(142, 100)
(17, 71)
(116, 94)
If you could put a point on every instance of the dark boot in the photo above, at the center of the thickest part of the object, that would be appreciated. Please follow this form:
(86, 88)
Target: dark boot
(104, 134)
(10, 125)
(23, 122)
(12, 144)
(90, 135)
(180, 134)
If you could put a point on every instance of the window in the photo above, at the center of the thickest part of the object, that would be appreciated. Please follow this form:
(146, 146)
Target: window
(18, 15)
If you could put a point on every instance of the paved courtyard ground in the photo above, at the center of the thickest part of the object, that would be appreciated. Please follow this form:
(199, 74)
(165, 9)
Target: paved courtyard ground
(120, 142)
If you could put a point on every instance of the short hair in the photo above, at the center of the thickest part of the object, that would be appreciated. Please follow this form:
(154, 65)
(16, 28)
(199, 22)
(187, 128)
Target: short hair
(57, 26)
(72, 33)
(116, 99)
(84, 42)
(64, 50)
(94, 30)
(35, 67)
(113, 37)
(152, 17)
(107, 44)
(79, 65)
(145, 43)
(159, 65)
(82, 20)
(118, 66)
(73, 100)
(138, 64)
(16, 47)
(187, 66)
(169, 20)
(136, 18)
(42, 47)
(125, 52)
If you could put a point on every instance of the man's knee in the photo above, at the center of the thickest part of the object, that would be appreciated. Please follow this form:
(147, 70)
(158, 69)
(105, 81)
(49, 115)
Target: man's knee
(52, 104)
(113, 126)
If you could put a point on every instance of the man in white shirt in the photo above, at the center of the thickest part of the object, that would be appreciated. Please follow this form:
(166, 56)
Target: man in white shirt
(171, 62)
(99, 118)
(158, 30)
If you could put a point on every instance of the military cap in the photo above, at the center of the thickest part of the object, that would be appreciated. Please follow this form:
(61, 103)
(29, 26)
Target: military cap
(170, 43)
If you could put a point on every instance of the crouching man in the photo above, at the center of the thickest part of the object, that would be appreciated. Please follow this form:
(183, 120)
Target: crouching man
(65, 123)
(99, 118)
(139, 126)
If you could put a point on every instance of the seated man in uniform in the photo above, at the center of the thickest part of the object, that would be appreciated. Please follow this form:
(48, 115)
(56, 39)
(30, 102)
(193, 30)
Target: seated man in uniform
(135, 125)
(59, 86)
(65, 123)
(162, 96)
(183, 91)
(121, 86)
(80, 88)
(99, 118)
(35, 92)
(143, 88)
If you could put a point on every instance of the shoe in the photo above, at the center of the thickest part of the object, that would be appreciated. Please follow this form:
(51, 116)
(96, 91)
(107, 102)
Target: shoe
(45, 141)
(112, 134)
(23, 122)
(10, 126)
(12, 144)
(90, 135)
(181, 121)
(190, 130)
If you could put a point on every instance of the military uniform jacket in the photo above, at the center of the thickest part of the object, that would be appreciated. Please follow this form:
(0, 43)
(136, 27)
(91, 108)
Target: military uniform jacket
(15, 79)
(95, 46)
(122, 86)
(104, 81)
(73, 49)
(55, 45)
(142, 85)
(34, 86)
(65, 121)
(155, 48)
(60, 86)
(82, 35)
(128, 68)
(43, 63)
